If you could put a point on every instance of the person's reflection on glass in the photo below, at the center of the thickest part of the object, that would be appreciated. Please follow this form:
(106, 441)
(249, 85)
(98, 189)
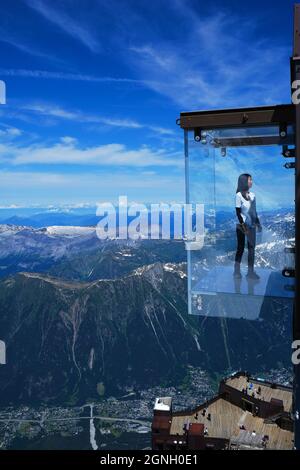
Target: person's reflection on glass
(251, 283)
(245, 203)
(237, 284)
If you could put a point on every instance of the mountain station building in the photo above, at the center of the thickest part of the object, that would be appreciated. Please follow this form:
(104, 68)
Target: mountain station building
(246, 414)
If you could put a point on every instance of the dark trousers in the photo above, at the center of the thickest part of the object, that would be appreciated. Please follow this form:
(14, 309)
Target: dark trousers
(251, 242)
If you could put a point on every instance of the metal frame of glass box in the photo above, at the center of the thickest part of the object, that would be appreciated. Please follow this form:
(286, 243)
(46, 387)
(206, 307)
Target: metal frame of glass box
(282, 116)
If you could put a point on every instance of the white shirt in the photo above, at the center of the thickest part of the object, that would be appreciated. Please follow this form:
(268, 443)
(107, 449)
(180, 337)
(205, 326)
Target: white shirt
(248, 208)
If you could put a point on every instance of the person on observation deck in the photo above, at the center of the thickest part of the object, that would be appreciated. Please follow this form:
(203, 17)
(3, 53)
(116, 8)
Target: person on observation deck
(245, 204)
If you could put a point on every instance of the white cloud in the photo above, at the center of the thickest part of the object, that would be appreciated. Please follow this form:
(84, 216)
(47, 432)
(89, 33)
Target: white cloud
(22, 46)
(26, 188)
(27, 73)
(53, 110)
(27, 179)
(68, 140)
(64, 21)
(67, 151)
(219, 61)
(10, 132)
(79, 116)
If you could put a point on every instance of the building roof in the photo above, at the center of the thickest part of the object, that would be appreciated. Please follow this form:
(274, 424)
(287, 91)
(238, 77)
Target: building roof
(163, 404)
(226, 420)
(229, 421)
(196, 429)
(248, 439)
(268, 391)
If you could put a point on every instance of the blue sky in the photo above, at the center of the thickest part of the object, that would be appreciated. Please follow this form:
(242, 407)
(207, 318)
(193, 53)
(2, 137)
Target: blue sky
(94, 88)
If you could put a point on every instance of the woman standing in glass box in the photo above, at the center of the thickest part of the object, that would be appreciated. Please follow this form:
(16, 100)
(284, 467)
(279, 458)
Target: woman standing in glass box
(245, 204)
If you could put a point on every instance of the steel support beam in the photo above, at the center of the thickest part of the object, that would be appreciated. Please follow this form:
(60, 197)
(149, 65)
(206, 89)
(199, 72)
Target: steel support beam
(295, 75)
(252, 141)
(243, 117)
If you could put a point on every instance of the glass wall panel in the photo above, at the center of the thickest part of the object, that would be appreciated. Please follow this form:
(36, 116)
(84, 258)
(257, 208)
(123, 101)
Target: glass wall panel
(244, 268)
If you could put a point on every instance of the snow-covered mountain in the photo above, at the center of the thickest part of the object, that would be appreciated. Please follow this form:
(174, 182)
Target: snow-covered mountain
(77, 253)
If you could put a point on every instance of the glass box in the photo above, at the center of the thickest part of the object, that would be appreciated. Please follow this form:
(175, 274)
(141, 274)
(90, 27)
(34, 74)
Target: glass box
(218, 285)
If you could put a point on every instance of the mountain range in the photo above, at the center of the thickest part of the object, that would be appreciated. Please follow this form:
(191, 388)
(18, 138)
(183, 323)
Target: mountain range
(84, 318)
(66, 338)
